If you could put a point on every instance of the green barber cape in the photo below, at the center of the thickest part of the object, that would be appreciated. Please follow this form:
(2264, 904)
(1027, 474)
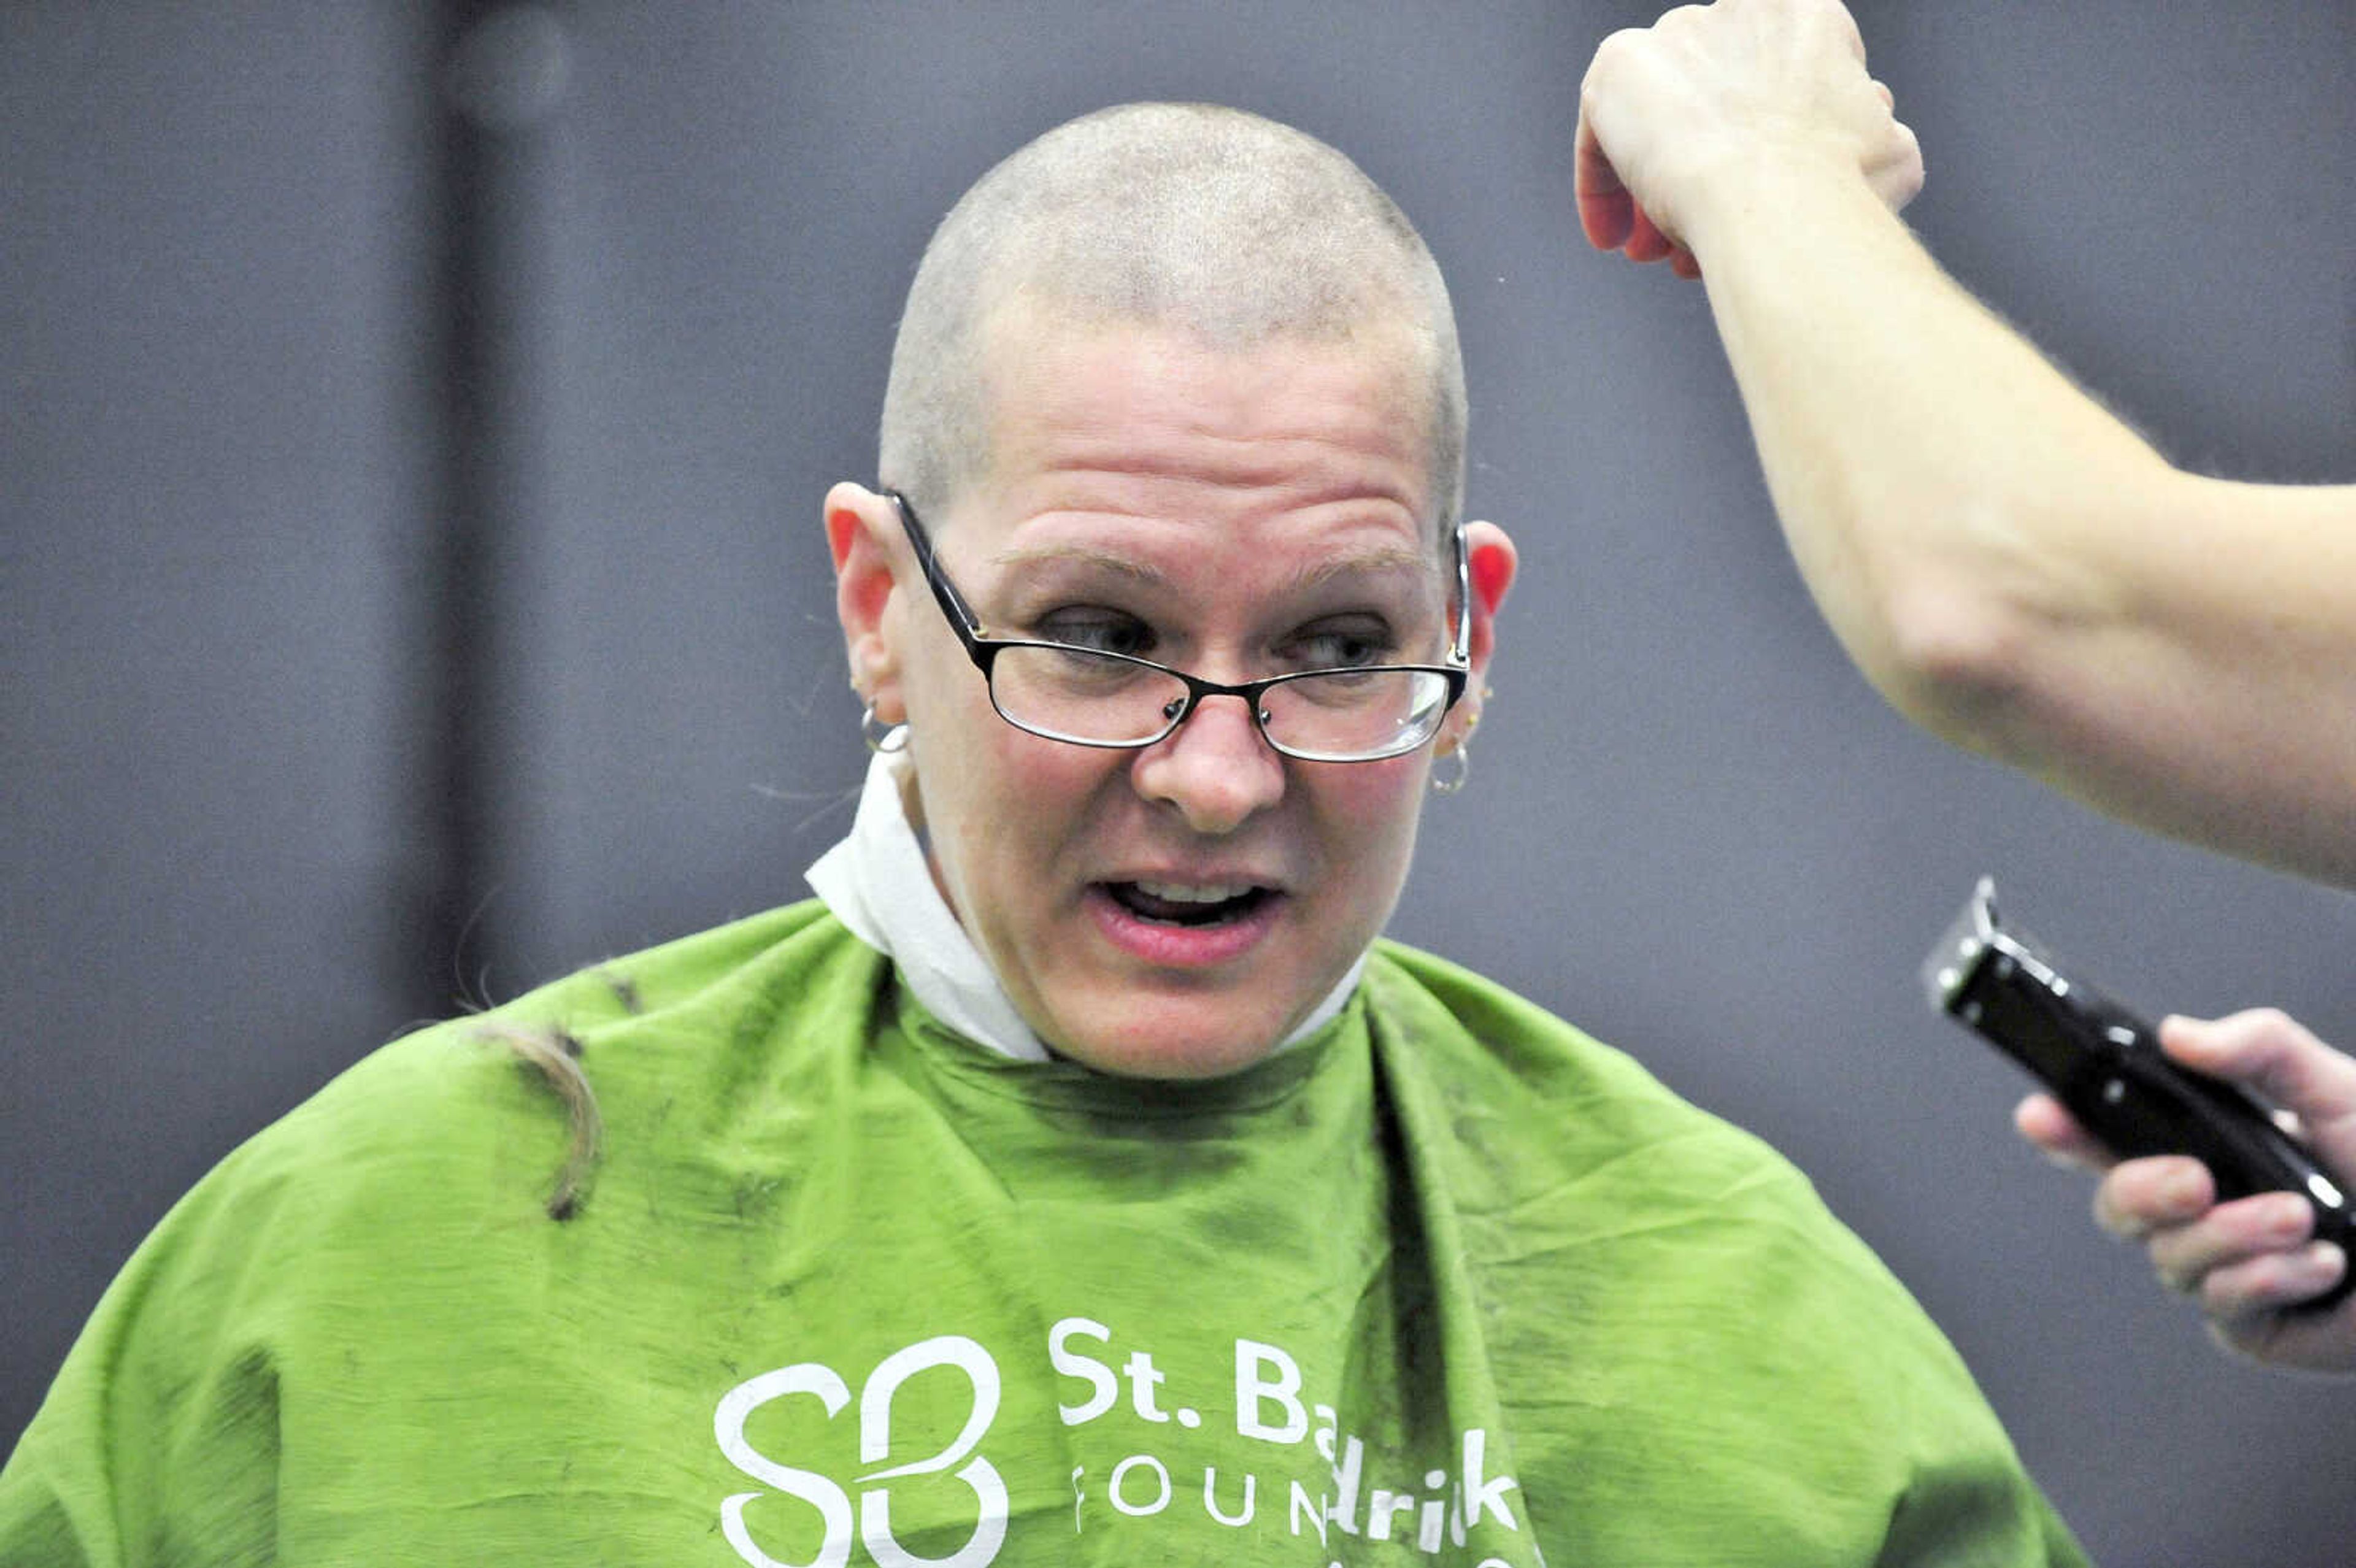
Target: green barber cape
(1447, 1284)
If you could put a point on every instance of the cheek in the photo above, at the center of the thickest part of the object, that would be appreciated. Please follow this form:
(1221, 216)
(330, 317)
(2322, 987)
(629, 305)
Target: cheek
(1004, 807)
(1036, 786)
(1373, 808)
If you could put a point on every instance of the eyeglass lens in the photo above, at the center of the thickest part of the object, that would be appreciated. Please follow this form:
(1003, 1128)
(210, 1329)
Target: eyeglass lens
(1073, 693)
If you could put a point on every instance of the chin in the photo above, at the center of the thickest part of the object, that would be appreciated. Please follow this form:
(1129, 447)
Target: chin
(1175, 1048)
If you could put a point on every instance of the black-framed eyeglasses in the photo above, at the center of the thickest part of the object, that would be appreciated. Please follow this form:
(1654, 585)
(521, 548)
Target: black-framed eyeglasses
(1358, 713)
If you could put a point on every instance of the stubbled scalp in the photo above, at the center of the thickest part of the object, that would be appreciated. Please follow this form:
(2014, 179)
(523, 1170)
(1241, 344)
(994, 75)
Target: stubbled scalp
(1194, 217)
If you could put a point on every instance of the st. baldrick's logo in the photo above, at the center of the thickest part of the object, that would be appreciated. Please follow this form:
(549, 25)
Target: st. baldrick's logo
(1438, 1518)
(875, 1512)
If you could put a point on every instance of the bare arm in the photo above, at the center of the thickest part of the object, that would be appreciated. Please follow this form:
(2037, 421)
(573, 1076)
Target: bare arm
(2011, 566)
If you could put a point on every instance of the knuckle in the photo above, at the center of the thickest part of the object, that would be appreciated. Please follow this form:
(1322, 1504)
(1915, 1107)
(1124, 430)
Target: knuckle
(2116, 1221)
(2271, 1021)
(1612, 54)
(2219, 1303)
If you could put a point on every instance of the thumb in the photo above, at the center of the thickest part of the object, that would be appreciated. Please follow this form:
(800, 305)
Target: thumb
(2267, 1050)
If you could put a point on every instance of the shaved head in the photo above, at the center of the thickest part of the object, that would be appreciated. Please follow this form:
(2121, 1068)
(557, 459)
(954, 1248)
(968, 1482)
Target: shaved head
(1194, 217)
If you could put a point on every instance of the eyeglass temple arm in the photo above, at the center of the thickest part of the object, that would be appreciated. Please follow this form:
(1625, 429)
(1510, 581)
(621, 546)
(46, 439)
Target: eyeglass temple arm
(943, 589)
(1460, 649)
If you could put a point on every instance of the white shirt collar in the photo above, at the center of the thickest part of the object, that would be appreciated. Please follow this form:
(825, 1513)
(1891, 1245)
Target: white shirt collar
(877, 883)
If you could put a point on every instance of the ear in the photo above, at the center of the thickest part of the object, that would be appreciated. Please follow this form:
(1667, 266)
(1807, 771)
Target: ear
(862, 529)
(1492, 560)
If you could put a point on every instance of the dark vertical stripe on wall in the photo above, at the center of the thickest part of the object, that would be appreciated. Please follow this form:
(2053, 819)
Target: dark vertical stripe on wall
(496, 73)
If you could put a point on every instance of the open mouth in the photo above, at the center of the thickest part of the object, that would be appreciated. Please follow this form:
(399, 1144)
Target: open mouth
(1171, 904)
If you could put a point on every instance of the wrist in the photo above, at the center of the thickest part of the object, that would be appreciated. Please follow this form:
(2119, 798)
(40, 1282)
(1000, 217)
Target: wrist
(1768, 186)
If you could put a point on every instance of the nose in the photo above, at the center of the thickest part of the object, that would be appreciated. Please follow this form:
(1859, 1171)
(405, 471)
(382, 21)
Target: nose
(1217, 770)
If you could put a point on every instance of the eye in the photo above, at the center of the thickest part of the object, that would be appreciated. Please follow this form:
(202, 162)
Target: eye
(1341, 645)
(1098, 631)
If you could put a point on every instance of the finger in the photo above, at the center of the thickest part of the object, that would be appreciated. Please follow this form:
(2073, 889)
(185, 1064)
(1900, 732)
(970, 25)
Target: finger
(1896, 173)
(1606, 210)
(1646, 241)
(2316, 1341)
(1893, 163)
(2230, 1234)
(2041, 1119)
(2273, 1053)
(2270, 1283)
(2141, 1196)
(1607, 220)
(1684, 264)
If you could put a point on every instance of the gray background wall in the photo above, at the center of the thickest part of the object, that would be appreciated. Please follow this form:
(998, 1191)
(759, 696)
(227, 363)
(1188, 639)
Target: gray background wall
(1692, 829)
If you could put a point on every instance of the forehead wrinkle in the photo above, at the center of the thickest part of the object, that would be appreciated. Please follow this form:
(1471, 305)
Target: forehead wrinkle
(1308, 445)
(1371, 561)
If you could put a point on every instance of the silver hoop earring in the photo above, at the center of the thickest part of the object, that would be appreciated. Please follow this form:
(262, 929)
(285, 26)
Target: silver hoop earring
(880, 737)
(1449, 782)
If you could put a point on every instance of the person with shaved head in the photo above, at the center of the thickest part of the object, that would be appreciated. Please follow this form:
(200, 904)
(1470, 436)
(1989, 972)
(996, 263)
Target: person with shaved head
(1081, 1178)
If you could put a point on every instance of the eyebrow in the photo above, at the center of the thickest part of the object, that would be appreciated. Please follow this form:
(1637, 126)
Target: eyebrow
(1078, 555)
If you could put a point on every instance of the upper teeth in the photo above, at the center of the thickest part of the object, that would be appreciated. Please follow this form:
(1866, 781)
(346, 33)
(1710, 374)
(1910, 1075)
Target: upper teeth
(1174, 892)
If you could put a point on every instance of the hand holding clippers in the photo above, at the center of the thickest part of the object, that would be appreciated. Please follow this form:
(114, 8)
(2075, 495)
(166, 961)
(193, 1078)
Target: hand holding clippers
(2105, 1065)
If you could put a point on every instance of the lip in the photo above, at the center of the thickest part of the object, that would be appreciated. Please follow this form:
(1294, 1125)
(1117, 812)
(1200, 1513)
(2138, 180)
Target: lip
(1170, 946)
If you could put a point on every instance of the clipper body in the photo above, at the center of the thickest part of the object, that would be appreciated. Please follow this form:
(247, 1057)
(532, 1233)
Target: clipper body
(2105, 1063)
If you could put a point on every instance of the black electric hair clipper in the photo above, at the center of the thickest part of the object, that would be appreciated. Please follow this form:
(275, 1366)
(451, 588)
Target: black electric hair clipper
(2105, 1063)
